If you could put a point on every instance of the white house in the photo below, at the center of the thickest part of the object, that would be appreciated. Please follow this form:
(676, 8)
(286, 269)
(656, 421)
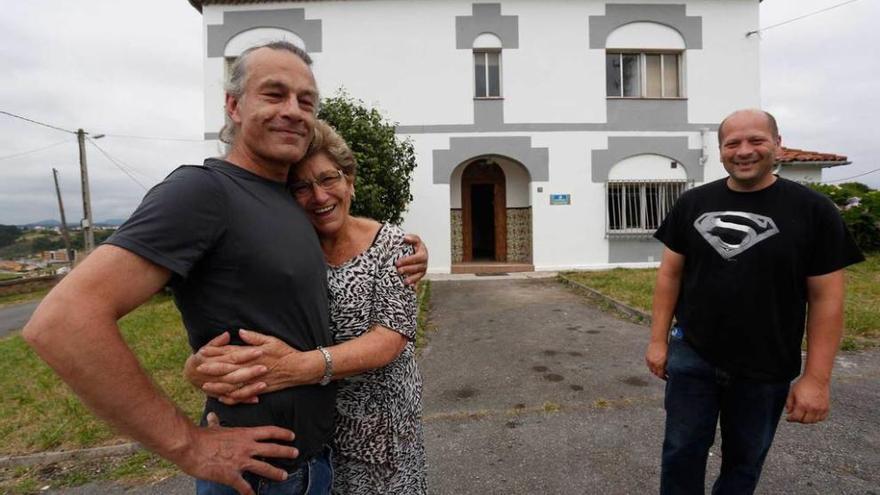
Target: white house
(549, 134)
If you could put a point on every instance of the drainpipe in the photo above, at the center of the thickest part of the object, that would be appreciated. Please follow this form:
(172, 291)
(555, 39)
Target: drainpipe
(704, 150)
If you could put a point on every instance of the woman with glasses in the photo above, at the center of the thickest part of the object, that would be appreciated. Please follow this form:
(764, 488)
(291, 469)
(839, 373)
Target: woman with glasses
(378, 445)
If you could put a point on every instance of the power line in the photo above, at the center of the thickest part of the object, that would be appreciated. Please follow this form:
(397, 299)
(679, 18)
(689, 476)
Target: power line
(118, 164)
(154, 138)
(50, 126)
(826, 9)
(34, 150)
(851, 178)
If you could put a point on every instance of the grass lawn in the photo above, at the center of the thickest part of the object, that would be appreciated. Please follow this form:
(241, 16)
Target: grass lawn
(862, 318)
(38, 412)
(8, 276)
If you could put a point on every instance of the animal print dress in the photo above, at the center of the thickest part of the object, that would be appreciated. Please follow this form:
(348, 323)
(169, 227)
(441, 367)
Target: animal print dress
(378, 445)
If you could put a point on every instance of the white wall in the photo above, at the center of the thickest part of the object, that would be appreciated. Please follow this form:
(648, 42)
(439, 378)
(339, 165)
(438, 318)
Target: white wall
(725, 75)
(401, 57)
(647, 167)
(801, 173)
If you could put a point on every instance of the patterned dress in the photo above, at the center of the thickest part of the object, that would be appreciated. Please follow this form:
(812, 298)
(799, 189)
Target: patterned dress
(378, 446)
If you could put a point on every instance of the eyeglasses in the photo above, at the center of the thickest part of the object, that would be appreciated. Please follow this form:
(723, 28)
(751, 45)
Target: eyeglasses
(326, 181)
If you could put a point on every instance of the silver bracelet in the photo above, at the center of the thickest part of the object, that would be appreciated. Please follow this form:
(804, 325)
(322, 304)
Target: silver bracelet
(328, 366)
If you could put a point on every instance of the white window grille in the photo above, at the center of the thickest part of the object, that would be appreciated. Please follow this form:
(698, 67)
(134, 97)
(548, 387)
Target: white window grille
(639, 207)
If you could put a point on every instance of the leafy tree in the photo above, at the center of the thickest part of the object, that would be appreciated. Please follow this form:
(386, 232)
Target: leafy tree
(862, 219)
(9, 234)
(385, 163)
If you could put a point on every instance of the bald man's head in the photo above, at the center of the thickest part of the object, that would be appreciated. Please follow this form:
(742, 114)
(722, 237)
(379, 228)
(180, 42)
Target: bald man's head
(771, 122)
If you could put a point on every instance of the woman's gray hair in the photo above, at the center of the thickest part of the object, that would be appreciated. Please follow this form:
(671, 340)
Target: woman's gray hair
(238, 75)
(327, 140)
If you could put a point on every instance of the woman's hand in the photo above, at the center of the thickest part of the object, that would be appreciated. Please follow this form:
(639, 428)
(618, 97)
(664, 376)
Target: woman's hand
(237, 374)
(231, 365)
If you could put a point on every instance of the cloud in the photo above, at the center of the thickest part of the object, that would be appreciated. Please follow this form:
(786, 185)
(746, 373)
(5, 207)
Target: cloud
(819, 79)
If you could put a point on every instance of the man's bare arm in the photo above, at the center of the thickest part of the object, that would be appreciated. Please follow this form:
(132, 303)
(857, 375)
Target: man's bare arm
(810, 396)
(75, 331)
(665, 296)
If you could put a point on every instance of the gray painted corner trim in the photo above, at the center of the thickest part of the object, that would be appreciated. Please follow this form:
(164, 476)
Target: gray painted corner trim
(622, 147)
(235, 23)
(519, 148)
(488, 114)
(668, 126)
(616, 15)
(486, 18)
(641, 114)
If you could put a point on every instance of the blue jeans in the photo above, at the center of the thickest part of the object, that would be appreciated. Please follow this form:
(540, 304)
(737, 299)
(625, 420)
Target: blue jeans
(697, 393)
(313, 477)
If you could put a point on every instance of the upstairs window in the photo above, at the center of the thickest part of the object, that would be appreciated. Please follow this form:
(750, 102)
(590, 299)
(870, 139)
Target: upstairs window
(643, 75)
(487, 66)
(487, 74)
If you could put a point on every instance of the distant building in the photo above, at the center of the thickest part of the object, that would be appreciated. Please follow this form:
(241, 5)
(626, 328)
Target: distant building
(806, 166)
(549, 134)
(12, 266)
(58, 256)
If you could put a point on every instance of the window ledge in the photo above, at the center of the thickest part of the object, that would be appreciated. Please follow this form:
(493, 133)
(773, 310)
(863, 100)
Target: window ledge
(638, 98)
(630, 234)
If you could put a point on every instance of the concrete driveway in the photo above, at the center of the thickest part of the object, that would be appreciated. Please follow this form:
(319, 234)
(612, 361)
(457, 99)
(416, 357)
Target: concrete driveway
(529, 388)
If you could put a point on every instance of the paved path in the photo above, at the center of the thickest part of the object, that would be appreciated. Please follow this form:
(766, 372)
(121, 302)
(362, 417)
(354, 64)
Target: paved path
(530, 389)
(14, 316)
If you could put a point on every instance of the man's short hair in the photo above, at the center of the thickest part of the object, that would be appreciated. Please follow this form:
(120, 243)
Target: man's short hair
(238, 75)
(771, 121)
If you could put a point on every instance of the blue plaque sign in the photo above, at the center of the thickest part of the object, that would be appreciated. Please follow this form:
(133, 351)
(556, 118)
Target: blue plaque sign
(560, 199)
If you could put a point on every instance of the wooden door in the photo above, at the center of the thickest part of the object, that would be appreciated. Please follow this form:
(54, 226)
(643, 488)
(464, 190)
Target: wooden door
(483, 192)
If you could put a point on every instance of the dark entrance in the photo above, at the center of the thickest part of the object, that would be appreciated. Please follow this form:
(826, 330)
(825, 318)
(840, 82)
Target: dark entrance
(484, 212)
(483, 221)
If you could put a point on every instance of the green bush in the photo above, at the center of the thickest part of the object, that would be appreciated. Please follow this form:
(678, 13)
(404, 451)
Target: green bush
(384, 162)
(863, 220)
(8, 234)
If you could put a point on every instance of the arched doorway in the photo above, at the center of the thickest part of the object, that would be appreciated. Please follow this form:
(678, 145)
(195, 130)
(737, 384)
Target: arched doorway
(484, 212)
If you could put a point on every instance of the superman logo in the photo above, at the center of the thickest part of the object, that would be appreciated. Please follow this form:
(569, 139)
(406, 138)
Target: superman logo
(732, 232)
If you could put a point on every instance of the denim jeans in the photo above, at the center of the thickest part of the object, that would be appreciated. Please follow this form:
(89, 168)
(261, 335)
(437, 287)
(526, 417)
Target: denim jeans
(697, 393)
(313, 477)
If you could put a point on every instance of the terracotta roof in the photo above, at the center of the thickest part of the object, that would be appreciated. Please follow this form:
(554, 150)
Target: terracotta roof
(790, 156)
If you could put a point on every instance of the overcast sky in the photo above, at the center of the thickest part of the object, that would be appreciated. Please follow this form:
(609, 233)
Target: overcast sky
(134, 68)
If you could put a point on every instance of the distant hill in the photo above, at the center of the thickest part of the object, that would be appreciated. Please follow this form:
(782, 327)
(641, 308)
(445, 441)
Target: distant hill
(112, 222)
(45, 223)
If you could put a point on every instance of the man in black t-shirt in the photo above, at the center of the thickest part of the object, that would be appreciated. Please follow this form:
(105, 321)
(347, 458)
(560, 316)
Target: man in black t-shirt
(237, 251)
(750, 261)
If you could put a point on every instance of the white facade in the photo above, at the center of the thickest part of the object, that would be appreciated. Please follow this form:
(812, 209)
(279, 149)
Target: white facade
(553, 130)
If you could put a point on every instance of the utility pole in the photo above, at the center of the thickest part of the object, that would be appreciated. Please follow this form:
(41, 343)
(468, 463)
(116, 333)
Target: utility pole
(70, 254)
(88, 233)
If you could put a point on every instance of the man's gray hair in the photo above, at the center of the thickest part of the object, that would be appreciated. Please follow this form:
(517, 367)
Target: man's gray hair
(238, 75)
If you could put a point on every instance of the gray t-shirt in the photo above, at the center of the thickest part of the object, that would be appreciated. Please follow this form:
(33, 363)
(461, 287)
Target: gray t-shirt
(243, 255)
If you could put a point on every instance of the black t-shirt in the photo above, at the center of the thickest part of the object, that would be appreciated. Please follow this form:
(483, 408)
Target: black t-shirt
(243, 255)
(743, 296)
